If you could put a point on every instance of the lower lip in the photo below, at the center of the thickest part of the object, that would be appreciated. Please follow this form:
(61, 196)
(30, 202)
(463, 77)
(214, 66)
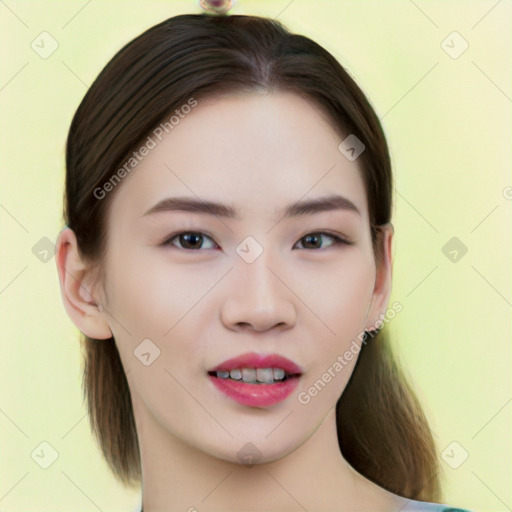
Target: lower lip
(256, 395)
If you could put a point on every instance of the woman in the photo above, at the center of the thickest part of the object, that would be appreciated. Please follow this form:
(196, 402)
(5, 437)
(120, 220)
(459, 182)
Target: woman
(227, 257)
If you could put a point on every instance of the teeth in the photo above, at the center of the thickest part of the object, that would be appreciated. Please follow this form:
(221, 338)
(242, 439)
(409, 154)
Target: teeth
(248, 374)
(265, 375)
(278, 373)
(236, 374)
(253, 375)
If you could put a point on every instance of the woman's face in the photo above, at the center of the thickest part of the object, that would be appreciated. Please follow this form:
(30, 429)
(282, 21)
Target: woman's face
(257, 282)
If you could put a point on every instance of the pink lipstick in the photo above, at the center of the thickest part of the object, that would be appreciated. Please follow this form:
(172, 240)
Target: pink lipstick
(255, 380)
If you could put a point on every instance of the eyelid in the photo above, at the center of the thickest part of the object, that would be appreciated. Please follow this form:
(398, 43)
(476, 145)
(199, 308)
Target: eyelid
(338, 238)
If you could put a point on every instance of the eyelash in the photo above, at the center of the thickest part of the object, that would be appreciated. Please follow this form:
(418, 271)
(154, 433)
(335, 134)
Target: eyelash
(337, 239)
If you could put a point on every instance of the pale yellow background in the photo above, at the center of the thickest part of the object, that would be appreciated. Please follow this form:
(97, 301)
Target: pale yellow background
(448, 124)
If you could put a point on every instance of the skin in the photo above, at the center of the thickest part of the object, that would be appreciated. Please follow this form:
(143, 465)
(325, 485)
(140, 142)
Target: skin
(258, 152)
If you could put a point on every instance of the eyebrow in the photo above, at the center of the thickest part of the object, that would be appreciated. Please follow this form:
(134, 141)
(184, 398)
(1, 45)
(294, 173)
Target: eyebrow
(306, 207)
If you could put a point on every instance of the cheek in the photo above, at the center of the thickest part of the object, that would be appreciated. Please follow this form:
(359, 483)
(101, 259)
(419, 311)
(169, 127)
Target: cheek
(352, 296)
(339, 292)
(341, 301)
(149, 296)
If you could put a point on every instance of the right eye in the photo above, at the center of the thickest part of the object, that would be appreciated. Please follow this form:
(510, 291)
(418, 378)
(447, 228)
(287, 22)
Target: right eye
(188, 240)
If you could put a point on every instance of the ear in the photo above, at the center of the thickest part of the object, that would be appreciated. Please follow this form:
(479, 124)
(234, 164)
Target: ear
(85, 311)
(383, 278)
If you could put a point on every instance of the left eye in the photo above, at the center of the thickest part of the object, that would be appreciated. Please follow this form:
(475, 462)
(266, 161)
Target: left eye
(192, 240)
(314, 238)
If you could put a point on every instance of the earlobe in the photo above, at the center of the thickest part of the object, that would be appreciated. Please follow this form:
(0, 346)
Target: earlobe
(383, 279)
(75, 284)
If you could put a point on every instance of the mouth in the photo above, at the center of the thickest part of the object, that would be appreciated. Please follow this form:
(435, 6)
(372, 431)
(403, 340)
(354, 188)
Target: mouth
(256, 381)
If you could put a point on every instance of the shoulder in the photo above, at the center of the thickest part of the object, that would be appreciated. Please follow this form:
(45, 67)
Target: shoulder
(423, 506)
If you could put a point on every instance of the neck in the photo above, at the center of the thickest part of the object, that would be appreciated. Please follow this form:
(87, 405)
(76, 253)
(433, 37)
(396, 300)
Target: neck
(315, 476)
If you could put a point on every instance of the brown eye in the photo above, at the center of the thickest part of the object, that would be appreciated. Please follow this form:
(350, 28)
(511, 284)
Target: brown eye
(314, 240)
(189, 240)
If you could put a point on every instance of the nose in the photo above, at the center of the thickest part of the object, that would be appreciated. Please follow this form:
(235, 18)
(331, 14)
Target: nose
(258, 298)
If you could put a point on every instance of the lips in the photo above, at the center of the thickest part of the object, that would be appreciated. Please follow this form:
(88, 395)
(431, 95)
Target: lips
(257, 394)
(253, 360)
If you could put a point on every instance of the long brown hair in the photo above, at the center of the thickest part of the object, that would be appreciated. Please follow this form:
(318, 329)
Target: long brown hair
(382, 430)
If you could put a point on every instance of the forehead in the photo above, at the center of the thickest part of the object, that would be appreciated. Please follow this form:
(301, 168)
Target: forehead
(255, 150)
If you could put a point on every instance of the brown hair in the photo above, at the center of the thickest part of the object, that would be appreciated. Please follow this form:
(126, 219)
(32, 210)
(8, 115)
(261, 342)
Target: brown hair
(382, 430)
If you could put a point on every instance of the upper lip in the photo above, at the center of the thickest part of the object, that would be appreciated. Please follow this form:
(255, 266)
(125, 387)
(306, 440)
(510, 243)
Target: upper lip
(253, 360)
